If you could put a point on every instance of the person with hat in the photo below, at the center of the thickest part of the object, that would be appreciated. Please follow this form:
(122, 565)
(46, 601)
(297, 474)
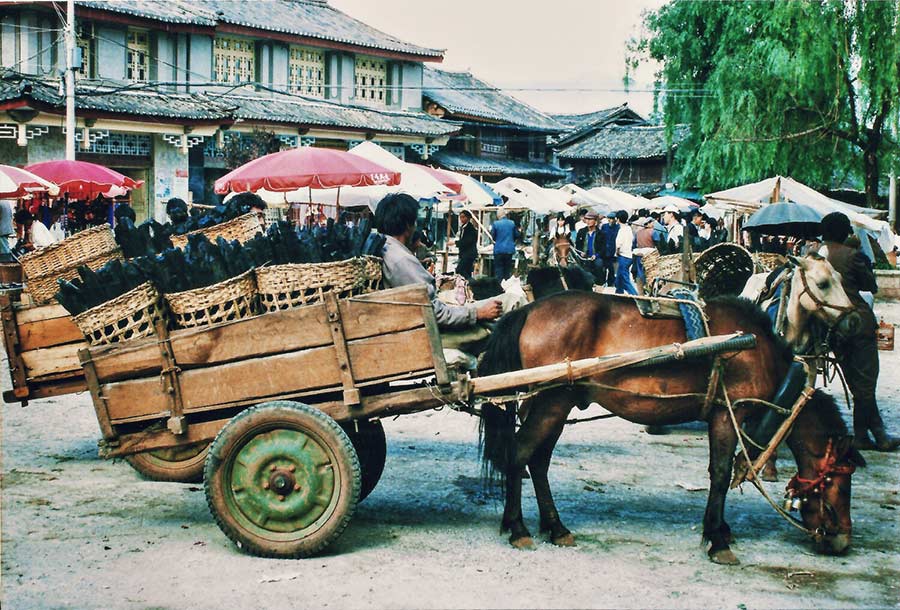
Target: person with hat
(588, 243)
(608, 251)
(467, 243)
(858, 353)
(674, 230)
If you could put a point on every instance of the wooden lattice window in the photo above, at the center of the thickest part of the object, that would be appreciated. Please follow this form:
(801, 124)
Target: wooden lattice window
(306, 71)
(84, 40)
(370, 80)
(234, 60)
(138, 67)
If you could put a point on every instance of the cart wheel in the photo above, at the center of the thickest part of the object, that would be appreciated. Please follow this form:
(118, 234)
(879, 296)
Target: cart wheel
(282, 480)
(178, 464)
(371, 448)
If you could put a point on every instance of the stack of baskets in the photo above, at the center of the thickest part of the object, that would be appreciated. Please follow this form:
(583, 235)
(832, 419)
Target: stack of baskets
(661, 266)
(243, 228)
(42, 268)
(768, 261)
(286, 286)
(130, 316)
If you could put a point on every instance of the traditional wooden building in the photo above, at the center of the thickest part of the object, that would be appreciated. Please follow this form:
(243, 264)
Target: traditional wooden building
(617, 147)
(165, 84)
(500, 137)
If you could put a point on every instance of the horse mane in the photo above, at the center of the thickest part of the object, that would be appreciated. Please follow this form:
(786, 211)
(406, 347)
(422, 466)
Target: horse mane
(485, 287)
(545, 281)
(829, 414)
(753, 314)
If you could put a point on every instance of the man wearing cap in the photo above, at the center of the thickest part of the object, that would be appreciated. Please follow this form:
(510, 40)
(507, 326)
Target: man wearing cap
(588, 242)
(857, 354)
(675, 232)
(608, 252)
(467, 243)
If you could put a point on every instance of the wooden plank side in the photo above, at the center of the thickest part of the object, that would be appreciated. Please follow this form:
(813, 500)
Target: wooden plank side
(273, 333)
(372, 358)
(26, 315)
(52, 360)
(49, 333)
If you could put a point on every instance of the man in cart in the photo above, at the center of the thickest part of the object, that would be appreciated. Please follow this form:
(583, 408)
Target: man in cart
(396, 218)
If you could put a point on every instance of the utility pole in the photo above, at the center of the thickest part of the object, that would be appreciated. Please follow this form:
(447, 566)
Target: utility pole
(70, 80)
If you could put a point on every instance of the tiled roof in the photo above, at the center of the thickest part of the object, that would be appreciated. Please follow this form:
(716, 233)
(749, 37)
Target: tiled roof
(463, 94)
(210, 105)
(584, 125)
(469, 164)
(575, 121)
(309, 18)
(280, 108)
(624, 142)
(94, 97)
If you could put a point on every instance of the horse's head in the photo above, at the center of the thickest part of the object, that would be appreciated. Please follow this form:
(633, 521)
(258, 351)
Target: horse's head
(816, 291)
(826, 461)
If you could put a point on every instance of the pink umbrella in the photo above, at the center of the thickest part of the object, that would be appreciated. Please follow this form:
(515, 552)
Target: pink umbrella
(316, 168)
(82, 180)
(15, 182)
(445, 178)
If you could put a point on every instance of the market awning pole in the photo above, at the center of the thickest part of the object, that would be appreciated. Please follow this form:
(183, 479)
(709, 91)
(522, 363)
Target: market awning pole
(70, 80)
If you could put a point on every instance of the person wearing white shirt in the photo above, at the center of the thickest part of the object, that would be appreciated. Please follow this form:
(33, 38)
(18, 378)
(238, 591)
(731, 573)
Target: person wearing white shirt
(35, 234)
(674, 228)
(624, 245)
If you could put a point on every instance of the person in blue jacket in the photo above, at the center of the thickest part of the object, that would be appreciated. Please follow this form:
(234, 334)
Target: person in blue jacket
(505, 233)
(608, 252)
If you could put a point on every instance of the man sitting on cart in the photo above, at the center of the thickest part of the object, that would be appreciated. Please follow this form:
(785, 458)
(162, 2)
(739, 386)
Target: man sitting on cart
(396, 218)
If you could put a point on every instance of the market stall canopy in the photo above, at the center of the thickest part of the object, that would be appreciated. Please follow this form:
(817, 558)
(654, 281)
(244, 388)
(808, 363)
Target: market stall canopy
(445, 177)
(751, 197)
(83, 180)
(580, 198)
(308, 167)
(683, 205)
(793, 219)
(523, 194)
(478, 195)
(415, 179)
(619, 200)
(15, 183)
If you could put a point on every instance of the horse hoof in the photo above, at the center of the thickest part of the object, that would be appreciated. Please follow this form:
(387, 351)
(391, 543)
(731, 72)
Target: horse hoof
(525, 543)
(564, 540)
(724, 557)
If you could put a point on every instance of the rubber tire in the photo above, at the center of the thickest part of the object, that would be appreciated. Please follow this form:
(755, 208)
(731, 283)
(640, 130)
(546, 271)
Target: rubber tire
(156, 468)
(282, 414)
(371, 449)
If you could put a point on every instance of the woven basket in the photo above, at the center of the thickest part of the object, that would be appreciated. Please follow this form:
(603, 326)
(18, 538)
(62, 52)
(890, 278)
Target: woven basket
(286, 286)
(656, 266)
(768, 261)
(233, 299)
(44, 289)
(243, 228)
(129, 316)
(723, 270)
(63, 255)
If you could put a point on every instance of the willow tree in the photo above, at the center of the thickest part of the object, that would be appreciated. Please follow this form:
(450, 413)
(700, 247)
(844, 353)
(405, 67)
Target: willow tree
(809, 88)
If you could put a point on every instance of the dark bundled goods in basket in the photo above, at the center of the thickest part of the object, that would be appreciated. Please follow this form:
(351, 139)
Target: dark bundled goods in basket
(146, 239)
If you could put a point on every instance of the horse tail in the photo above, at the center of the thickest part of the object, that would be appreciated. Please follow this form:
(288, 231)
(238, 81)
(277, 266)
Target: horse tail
(497, 430)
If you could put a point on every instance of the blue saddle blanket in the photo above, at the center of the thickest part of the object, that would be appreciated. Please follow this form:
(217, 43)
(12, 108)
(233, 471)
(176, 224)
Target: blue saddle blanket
(692, 316)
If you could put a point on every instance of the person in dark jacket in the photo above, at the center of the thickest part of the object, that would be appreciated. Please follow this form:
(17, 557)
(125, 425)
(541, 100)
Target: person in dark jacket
(589, 244)
(467, 242)
(608, 253)
(858, 354)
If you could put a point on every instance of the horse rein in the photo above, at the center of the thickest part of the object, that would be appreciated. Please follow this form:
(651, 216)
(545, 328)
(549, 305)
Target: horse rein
(799, 489)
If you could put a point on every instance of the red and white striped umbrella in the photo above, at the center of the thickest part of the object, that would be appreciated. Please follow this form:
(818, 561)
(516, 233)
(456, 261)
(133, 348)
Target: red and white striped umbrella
(15, 182)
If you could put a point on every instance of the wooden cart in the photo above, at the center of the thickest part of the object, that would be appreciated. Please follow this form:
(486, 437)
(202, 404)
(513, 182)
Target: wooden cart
(291, 402)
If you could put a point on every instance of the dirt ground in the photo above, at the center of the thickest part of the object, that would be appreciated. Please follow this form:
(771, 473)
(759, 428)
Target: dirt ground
(80, 532)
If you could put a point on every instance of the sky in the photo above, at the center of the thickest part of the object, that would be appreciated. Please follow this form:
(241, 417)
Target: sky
(523, 46)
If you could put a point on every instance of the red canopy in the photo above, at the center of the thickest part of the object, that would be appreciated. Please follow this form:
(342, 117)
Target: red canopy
(318, 168)
(444, 178)
(82, 180)
(15, 182)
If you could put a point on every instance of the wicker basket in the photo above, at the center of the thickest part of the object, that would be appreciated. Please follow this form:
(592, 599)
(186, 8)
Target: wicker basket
(233, 299)
(657, 266)
(44, 289)
(243, 228)
(723, 270)
(129, 316)
(42, 268)
(286, 286)
(768, 261)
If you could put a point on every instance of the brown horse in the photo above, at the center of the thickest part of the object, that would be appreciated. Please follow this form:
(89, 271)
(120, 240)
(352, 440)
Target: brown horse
(580, 325)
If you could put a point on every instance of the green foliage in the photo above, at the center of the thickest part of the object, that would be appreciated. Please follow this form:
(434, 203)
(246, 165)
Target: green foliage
(247, 147)
(808, 88)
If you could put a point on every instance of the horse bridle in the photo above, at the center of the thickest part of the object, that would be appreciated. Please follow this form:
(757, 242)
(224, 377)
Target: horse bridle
(799, 490)
(822, 305)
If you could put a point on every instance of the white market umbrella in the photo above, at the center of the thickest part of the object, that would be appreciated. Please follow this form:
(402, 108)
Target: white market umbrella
(620, 200)
(583, 199)
(526, 195)
(683, 205)
(414, 179)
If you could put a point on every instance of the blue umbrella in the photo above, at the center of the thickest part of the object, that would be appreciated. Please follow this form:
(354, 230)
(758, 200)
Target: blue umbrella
(794, 219)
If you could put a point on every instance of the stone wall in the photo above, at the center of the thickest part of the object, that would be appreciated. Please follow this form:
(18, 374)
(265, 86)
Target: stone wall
(888, 284)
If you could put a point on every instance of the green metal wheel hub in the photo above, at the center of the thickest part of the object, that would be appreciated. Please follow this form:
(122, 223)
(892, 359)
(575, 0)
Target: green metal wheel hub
(282, 481)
